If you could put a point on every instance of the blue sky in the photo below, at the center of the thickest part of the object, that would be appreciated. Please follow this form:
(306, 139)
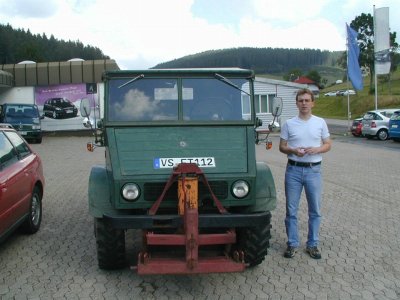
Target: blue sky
(142, 33)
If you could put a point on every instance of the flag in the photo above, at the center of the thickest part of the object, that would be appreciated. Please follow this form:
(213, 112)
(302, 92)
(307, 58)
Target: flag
(353, 67)
(382, 40)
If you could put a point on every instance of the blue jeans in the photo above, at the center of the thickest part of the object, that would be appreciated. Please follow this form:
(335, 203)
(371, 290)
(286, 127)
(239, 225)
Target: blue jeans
(297, 178)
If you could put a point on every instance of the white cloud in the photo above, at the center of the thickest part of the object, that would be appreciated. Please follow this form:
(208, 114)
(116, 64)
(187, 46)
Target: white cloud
(140, 34)
(29, 8)
(288, 10)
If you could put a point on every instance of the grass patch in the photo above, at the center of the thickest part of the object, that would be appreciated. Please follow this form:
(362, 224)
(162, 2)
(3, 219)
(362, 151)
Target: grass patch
(336, 107)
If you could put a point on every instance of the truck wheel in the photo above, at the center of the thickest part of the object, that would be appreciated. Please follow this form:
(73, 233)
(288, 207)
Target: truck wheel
(254, 242)
(110, 244)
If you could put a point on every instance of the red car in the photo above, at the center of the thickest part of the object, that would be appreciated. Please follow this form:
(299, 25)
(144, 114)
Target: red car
(356, 128)
(21, 184)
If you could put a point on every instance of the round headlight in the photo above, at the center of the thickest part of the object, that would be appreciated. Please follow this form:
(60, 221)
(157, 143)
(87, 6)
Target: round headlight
(240, 189)
(130, 191)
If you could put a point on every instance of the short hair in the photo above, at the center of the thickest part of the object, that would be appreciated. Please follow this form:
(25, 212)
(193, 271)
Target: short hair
(304, 91)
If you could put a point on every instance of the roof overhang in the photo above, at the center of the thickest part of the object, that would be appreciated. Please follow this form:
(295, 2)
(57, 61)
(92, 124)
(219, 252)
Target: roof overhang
(54, 73)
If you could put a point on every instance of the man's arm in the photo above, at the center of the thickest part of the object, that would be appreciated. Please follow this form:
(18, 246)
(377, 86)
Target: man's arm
(284, 148)
(300, 152)
(325, 147)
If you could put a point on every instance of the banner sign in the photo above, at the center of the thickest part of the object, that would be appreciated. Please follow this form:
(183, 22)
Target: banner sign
(382, 40)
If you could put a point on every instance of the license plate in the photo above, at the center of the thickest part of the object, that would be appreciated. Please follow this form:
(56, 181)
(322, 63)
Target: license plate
(23, 133)
(394, 126)
(69, 111)
(170, 162)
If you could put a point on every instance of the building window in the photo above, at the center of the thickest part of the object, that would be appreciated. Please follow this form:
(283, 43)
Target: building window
(246, 108)
(263, 103)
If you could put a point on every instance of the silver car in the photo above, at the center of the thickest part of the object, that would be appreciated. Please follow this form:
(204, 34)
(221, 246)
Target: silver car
(376, 123)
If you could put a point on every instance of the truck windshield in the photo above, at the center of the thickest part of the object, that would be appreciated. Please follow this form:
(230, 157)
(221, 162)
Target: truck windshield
(187, 99)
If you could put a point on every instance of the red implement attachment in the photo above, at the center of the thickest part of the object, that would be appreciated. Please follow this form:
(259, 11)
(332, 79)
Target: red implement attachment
(190, 239)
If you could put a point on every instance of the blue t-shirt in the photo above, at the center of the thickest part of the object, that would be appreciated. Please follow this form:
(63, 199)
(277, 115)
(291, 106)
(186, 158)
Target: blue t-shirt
(301, 133)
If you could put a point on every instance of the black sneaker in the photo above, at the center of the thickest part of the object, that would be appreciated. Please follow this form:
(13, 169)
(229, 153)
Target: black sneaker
(314, 252)
(290, 252)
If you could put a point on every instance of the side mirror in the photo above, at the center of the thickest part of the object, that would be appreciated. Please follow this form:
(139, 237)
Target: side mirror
(85, 108)
(274, 126)
(88, 122)
(277, 106)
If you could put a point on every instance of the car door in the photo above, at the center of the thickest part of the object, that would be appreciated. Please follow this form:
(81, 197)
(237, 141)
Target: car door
(15, 185)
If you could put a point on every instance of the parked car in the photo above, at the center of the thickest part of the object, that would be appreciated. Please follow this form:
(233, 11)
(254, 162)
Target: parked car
(345, 92)
(356, 128)
(59, 108)
(340, 93)
(394, 126)
(330, 94)
(349, 92)
(376, 123)
(23, 117)
(21, 184)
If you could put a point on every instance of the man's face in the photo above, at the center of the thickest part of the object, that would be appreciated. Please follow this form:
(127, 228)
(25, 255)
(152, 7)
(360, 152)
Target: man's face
(304, 103)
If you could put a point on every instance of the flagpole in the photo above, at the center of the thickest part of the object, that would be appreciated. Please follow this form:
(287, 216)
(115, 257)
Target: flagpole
(375, 76)
(348, 94)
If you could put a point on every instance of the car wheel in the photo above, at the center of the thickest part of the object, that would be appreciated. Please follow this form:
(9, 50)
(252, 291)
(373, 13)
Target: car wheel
(34, 218)
(382, 134)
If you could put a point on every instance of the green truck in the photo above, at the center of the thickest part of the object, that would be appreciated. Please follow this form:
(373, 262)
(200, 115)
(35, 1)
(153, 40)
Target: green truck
(180, 166)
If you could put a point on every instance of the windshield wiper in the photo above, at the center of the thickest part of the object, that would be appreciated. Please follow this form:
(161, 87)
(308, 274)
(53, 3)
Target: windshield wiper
(228, 82)
(132, 80)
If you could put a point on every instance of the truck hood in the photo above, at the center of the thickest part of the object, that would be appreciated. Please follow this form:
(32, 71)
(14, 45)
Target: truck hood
(152, 151)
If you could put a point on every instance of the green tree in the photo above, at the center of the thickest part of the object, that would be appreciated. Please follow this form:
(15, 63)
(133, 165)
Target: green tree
(293, 74)
(314, 76)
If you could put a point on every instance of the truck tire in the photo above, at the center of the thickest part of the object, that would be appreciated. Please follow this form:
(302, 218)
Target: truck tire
(254, 242)
(110, 244)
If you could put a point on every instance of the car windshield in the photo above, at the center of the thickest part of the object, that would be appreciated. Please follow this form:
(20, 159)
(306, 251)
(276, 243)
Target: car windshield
(22, 111)
(188, 99)
(387, 114)
(395, 116)
(369, 116)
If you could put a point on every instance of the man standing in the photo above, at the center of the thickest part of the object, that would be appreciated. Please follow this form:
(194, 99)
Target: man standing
(304, 138)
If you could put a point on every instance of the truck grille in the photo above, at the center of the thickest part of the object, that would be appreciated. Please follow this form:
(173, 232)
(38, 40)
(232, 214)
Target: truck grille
(153, 190)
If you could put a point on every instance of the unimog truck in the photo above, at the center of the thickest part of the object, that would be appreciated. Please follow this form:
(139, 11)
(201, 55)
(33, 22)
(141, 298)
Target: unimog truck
(180, 168)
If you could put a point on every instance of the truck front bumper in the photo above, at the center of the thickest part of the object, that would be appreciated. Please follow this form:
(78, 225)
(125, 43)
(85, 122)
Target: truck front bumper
(174, 221)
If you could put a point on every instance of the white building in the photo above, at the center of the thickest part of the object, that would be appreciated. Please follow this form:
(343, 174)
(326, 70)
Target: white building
(266, 89)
